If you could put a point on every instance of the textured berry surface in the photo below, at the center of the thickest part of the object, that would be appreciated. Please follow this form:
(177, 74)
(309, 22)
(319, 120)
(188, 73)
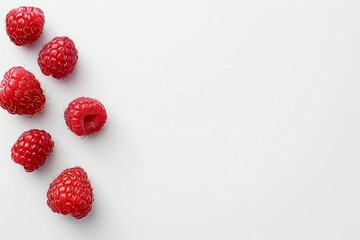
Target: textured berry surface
(24, 25)
(71, 193)
(21, 92)
(85, 116)
(32, 149)
(58, 58)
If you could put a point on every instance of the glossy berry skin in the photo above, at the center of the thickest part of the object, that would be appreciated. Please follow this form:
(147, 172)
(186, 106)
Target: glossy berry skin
(24, 25)
(32, 149)
(58, 58)
(85, 116)
(21, 92)
(71, 193)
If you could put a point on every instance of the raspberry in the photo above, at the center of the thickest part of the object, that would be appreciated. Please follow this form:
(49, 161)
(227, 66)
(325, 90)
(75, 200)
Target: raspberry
(85, 116)
(32, 149)
(71, 193)
(58, 58)
(24, 25)
(21, 93)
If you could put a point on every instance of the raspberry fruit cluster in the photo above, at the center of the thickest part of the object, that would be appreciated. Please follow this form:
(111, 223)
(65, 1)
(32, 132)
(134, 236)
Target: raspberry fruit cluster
(21, 93)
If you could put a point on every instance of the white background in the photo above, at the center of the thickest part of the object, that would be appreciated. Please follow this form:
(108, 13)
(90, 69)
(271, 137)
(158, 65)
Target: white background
(228, 119)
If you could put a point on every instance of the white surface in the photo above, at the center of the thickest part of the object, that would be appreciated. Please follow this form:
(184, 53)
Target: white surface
(227, 120)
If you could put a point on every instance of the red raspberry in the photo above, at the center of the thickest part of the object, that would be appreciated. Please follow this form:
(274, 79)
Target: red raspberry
(85, 116)
(24, 25)
(32, 149)
(58, 57)
(21, 93)
(71, 193)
